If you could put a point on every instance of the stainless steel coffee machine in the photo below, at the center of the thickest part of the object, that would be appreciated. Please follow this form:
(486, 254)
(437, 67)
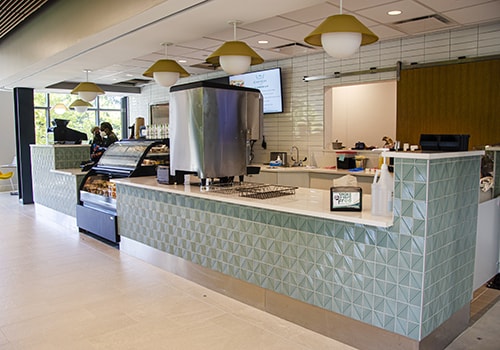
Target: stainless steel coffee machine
(211, 128)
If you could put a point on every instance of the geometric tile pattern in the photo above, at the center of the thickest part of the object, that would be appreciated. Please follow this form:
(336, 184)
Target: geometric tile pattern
(390, 278)
(55, 190)
(453, 199)
(367, 273)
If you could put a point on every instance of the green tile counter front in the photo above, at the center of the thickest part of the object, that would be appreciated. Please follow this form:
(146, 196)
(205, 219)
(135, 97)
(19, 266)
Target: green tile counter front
(57, 176)
(403, 284)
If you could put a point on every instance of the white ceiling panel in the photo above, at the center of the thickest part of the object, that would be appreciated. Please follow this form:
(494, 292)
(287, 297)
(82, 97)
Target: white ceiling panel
(410, 9)
(356, 5)
(489, 11)
(269, 24)
(312, 13)
(129, 47)
(447, 5)
(296, 33)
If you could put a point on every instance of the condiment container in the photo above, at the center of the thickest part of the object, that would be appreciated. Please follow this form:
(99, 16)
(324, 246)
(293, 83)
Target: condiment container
(382, 192)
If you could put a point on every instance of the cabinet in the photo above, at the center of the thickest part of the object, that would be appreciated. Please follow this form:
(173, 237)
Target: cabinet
(298, 179)
(325, 181)
(263, 177)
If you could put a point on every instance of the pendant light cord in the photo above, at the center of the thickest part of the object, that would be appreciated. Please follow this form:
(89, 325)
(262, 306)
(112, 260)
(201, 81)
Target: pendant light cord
(340, 6)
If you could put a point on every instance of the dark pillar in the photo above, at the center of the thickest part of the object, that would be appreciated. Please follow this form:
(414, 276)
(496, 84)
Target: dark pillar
(25, 136)
(124, 117)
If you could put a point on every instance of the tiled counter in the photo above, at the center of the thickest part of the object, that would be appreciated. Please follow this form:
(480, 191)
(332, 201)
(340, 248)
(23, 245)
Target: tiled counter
(57, 176)
(406, 284)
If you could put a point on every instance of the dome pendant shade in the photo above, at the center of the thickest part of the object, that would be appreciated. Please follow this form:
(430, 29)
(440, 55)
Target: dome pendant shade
(340, 24)
(341, 45)
(87, 91)
(80, 106)
(232, 52)
(159, 71)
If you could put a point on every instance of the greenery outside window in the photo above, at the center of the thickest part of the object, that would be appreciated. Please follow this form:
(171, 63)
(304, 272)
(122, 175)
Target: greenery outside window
(105, 108)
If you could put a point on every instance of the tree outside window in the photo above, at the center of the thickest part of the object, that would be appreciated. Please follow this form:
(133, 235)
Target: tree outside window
(105, 108)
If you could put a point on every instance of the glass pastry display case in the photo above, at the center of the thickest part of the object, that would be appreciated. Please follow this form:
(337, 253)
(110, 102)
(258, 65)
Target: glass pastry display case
(96, 210)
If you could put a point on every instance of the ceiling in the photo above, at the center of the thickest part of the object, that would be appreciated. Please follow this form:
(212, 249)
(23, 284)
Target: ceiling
(120, 54)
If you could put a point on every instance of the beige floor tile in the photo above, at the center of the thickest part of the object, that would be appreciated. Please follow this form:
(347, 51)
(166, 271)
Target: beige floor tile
(60, 289)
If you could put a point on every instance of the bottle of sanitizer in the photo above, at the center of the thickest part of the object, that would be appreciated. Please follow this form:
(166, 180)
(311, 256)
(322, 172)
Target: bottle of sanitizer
(382, 192)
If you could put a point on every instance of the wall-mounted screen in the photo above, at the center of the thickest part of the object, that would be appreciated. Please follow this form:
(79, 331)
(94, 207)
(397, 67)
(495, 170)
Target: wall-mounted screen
(268, 82)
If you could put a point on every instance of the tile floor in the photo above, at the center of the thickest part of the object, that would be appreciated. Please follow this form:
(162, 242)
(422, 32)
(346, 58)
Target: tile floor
(60, 289)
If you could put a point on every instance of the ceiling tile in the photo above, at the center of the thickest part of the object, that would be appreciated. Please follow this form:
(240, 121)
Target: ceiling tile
(447, 5)
(475, 14)
(355, 5)
(297, 33)
(385, 32)
(202, 43)
(273, 41)
(409, 10)
(269, 24)
(228, 34)
(312, 13)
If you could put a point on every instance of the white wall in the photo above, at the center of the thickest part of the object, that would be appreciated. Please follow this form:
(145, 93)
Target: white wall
(7, 134)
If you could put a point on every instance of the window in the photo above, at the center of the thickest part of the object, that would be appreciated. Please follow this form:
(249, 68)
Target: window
(106, 109)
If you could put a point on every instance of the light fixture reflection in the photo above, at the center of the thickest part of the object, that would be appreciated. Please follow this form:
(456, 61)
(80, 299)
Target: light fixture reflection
(60, 108)
(80, 106)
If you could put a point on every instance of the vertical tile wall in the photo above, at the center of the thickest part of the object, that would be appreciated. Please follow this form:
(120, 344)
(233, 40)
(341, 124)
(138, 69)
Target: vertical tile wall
(53, 190)
(407, 279)
(301, 124)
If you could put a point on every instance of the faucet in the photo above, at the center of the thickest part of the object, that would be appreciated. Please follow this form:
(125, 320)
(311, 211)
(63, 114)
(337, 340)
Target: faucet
(296, 160)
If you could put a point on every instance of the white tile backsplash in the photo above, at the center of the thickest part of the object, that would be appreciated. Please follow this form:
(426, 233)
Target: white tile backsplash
(301, 124)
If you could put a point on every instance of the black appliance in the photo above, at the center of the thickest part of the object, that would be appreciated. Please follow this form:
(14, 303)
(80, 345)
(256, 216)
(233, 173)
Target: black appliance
(444, 142)
(96, 209)
(63, 134)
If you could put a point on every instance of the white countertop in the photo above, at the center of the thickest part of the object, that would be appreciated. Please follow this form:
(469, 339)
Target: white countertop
(431, 155)
(309, 169)
(305, 201)
(69, 171)
(61, 145)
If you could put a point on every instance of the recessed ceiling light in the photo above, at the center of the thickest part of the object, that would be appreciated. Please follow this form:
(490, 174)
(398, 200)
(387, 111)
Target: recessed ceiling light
(394, 12)
(182, 61)
(263, 42)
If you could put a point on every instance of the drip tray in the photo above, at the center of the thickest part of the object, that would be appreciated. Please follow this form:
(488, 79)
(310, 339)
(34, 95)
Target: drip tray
(253, 190)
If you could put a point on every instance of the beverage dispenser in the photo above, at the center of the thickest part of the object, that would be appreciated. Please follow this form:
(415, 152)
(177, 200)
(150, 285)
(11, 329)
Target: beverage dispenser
(211, 126)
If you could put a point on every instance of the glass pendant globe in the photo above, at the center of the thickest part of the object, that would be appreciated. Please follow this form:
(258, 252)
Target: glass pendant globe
(80, 109)
(166, 79)
(234, 64)
(88, 96)
(341, 44)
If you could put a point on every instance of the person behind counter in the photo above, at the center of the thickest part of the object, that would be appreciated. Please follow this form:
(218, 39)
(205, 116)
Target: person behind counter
(96, 145)
(109, 137)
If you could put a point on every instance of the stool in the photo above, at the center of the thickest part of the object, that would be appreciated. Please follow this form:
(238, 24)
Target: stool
(8, 176)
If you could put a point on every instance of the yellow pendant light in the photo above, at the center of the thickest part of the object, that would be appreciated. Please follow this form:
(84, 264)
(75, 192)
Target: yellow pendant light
(87, 91)
(60, 108)
(80, 105)
(166, 72)
(235, 57)
(341, 35)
